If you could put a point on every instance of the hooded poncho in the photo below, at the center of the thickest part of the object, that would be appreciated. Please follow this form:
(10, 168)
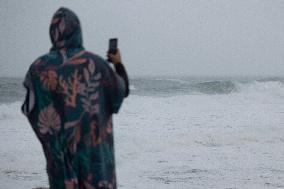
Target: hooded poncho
(71, 96)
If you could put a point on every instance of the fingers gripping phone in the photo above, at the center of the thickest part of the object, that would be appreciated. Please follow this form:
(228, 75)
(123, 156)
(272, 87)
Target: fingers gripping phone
(113, 45)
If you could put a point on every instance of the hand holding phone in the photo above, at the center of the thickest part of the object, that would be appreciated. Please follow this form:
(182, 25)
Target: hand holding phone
(113, 53)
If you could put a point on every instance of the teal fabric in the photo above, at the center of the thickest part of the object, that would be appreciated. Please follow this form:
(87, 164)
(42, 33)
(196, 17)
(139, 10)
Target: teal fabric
(75, 94)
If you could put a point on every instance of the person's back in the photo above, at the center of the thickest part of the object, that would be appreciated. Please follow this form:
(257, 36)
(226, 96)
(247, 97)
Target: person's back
(71, 97)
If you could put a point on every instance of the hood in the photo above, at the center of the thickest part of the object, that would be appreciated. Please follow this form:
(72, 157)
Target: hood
(65, 30)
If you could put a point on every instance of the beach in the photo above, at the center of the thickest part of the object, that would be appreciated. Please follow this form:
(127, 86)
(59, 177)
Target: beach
(233, 139)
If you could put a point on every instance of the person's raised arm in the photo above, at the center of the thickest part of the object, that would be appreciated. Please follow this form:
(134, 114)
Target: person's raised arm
(115, 83)
(120, 69)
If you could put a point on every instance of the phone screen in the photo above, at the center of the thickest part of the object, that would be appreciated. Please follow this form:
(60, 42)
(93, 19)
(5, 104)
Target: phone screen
(112, 45)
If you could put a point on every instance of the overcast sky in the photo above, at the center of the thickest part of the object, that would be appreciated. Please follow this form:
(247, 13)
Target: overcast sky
(156, 37)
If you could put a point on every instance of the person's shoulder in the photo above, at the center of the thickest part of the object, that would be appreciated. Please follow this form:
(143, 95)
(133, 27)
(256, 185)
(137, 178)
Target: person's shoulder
(39, 61)
(99, 61)
(95, 57)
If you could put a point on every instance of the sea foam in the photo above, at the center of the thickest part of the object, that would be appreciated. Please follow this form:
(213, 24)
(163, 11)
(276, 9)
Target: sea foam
(190, 140)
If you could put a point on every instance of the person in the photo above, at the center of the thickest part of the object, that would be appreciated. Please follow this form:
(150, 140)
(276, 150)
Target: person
(71, 96)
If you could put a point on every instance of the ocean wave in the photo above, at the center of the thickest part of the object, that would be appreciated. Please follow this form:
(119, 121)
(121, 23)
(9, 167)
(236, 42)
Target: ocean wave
(10, 110)
(216, 87)
(262, 86)
(227, 87)
(173, 80)
(272, 88)
(132, 87)
(170, 87)
(11, 102)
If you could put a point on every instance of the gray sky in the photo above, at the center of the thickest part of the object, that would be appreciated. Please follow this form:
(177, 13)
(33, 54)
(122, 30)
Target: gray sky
(156, 37)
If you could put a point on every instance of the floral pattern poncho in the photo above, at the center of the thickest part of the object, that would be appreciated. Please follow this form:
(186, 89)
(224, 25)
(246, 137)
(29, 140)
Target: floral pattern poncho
(71, 96)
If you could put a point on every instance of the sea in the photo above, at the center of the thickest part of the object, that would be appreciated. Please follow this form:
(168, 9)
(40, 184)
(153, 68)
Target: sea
(172, 132)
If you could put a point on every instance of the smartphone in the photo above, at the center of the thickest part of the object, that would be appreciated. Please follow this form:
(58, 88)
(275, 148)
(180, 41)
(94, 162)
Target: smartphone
(112, 45)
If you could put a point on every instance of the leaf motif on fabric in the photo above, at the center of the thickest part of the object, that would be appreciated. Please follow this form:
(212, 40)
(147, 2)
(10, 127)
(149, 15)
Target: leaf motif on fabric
(70, 184)
(78, 55)
(94, 85)
(88, 89)
(70, 88)
(78, 134)
(55, 20)
(93, 135)
(98, 76)
(81, 88)
(91, 66)
(94, 96)
(69, 80)
(84, 100)
(94, 109)
(63, 54)
(74, 59)
(49, 120)
(88, 185)
(74, 133)
(56, 34)
(105, 184)
(86, 107)
(86, 74)
(109, 127)
(62, 26)
(49, 79)
(77, 61)
(70, 124)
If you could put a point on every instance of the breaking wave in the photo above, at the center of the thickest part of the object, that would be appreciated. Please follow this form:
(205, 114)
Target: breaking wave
(210, 87)
(216, 87)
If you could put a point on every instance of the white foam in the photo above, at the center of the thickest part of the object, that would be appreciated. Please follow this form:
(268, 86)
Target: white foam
(132, 88)
(190, 141)
(267, 86)
(201, 141)
(10, 110)
(22, 164)
(173, 79)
